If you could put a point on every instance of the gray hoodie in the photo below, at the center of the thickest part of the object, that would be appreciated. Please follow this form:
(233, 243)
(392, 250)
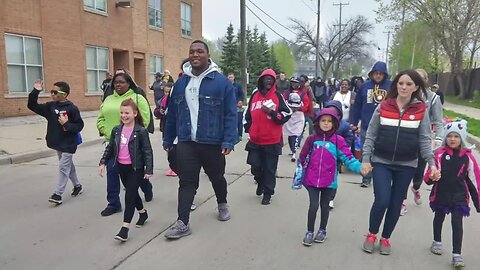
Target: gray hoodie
(435, 112)
(192, 92)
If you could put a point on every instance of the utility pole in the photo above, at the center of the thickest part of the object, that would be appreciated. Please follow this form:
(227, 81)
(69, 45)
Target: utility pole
(388, 45)
(317, 49)
(389, 28)
(243, 45)
(337, 66)
(400, 35)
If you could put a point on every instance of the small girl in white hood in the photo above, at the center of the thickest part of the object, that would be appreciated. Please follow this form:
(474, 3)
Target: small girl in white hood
(294, 126)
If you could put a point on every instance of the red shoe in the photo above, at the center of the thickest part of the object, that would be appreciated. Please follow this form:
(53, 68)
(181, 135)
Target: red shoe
(170, 173)
(385, 247)
(369, 243)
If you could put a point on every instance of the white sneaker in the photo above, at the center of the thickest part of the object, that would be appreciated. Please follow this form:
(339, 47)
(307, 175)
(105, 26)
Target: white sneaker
(331, 205)
(293, 159)
(193, 207)
(403, 210)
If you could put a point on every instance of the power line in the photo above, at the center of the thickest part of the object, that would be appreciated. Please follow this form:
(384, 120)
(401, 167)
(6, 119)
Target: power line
(309, 7)
(254, 14)
(272, 17)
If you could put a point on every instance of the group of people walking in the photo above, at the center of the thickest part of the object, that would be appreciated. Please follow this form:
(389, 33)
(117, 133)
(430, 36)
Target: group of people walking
(201, 120)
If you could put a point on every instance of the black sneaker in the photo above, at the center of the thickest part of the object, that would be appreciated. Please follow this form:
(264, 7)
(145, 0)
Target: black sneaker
(77, 190)
(110, 211)
(149, 196)
(259, 190)
(141, 219)
(56, 199)
(267, 198)
(122, 235)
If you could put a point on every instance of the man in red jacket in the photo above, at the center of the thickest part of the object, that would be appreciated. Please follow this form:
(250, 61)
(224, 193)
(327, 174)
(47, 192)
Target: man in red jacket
(267, 112)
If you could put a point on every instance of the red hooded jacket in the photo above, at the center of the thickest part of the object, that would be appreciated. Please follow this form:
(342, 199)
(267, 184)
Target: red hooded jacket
(263, 128)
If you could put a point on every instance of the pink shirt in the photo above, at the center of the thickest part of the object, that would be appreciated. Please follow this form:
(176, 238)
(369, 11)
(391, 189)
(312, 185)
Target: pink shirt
(123, 153)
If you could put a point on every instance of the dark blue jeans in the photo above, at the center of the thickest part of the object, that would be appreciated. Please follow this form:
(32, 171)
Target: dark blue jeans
(365, 179)
(240, 123)
(390, 185)
(113, 185)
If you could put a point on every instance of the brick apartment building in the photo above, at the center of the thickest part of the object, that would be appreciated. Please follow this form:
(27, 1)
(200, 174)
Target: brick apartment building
(78, 41)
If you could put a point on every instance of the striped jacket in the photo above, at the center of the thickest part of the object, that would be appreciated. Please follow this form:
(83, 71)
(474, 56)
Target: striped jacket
(398, 133)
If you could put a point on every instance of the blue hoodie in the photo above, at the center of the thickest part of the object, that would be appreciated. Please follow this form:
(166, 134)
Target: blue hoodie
(343, 126)
(370, 95)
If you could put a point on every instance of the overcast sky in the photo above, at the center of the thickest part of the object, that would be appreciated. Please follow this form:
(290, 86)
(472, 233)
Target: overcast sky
(217, 14)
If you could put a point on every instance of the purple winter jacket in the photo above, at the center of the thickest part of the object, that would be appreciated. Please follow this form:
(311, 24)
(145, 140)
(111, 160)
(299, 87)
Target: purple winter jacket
(323, 150)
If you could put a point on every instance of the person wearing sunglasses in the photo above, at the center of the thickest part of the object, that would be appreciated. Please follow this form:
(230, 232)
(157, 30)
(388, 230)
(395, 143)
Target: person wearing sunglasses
(63, 126)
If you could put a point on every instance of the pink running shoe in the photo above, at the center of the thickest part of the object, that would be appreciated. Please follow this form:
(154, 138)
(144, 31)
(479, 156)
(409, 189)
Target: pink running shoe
(170, 173)
(417, 197)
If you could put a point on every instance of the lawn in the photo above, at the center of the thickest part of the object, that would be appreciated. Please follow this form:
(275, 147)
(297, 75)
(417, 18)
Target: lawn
(473, 124)
(473, 102)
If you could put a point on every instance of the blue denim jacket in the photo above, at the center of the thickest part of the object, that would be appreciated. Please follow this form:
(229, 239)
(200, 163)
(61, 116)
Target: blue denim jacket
(217, 116)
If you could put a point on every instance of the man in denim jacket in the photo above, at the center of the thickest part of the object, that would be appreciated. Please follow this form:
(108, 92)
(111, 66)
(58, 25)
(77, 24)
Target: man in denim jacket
(202, 113)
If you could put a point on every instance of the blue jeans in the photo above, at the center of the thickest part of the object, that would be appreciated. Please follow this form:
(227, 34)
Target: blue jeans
(365, 179)
(113, 185)
(390, 185)
(240, 123)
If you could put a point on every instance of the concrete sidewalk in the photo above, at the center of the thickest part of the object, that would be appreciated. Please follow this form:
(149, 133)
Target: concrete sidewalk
(468, 111)
(22, 139)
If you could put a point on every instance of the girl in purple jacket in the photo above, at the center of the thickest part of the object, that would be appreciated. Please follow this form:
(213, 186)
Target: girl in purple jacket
(317, 166)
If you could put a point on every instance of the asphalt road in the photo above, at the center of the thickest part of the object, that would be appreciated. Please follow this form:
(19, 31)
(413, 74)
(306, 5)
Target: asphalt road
(36, 235)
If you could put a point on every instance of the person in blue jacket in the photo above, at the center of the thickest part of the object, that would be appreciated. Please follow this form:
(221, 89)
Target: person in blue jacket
(370, 94)
(202, 114)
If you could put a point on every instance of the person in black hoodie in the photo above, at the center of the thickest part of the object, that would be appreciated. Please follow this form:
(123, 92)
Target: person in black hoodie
(64, 124)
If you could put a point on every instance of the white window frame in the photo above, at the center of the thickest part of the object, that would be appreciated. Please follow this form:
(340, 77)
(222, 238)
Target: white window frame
(24, 64)
(153, 59)
(97, 68)
(184, 7)
(95, 8)
(158, 14)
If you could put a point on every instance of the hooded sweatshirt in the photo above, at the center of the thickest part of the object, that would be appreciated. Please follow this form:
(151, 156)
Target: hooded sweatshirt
(109, 115)
(321, 152)
(263, 128)
(59, 137)
(192, 93)
(370, 95)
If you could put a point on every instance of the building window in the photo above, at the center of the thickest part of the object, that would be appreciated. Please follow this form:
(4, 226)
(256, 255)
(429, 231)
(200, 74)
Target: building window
(24, 62)
(155, 13)
(97, 5)
(97, 67)
(156, 65)
(186, 19)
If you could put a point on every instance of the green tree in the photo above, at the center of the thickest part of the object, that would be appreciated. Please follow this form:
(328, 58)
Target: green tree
(273, 61)
(230, 59)
(285, 59)
(453, 24)
(413, 47)
(215, 53)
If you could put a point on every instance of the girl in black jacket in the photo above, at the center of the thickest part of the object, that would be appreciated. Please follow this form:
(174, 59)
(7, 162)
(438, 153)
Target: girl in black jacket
(130, 147)
(452, 193)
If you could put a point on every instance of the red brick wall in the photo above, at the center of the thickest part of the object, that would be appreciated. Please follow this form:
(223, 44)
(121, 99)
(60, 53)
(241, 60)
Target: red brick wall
(66, 28)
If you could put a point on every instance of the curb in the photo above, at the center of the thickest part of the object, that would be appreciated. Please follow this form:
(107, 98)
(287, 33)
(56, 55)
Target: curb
(474, 140)
(34, 155)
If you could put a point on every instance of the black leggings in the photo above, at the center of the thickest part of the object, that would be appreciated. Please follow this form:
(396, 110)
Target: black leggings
(131, 179)
(293, 143)
(315, 201)
(457, 229)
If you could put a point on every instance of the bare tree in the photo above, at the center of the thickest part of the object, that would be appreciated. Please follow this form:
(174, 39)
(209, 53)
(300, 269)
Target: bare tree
(332, 49)
(451, 23)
